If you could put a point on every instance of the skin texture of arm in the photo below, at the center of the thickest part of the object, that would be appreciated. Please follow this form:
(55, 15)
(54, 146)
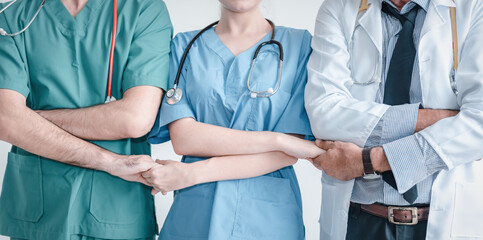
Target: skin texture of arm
(130, 117)
(240, 154)
(193, 138)
(172, 175)
(428, 117)
(343, 160)
(22, 127)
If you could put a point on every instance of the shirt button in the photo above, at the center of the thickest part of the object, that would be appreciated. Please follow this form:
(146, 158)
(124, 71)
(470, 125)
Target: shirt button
(75, 64)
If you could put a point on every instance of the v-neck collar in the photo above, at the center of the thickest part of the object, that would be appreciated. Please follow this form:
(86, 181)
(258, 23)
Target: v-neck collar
(80, 22)
(214, 42)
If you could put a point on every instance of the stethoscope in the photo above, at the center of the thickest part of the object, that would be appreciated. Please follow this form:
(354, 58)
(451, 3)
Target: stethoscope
(364, 6)
(109, 98)
(4, 33)
(175, 94)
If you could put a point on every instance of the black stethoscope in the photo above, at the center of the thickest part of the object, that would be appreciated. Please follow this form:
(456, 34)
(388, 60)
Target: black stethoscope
(175, 94)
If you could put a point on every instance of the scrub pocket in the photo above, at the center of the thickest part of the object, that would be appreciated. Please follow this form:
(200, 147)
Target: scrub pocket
(267, 209)
(22, 188)
(115, 201)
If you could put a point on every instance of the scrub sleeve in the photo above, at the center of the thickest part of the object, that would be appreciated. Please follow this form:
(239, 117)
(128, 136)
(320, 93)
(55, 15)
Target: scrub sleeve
(170, 113)
(148, 60)
(46, 200)
(12, 67)
(294, 119)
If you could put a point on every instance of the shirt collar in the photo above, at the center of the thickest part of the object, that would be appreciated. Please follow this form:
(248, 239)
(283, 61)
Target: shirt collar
(424, 4)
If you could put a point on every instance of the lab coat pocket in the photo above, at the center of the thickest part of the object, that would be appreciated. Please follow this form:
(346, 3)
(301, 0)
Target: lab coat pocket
(115, 201)
(267, 209)
(467, 211)
(22, 188)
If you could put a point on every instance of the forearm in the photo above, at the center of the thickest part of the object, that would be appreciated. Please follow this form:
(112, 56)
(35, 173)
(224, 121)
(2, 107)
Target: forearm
(428, 117)
(24, 128)
(240, 167)
(194, 138)
(130, 117)
(101, 122)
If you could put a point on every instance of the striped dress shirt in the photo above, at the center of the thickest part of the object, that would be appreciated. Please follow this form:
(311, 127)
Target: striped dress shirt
(406, 151)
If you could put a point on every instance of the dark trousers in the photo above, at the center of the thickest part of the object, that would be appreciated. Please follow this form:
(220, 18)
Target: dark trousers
(365, 226)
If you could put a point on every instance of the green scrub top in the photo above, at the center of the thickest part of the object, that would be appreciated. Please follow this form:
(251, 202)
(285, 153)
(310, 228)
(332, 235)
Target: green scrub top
(62, 62)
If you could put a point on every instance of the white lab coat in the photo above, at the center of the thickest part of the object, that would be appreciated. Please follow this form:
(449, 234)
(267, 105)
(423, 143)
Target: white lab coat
(347, 48)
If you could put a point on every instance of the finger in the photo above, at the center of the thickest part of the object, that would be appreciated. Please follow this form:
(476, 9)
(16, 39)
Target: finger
(154, 192)
(147, 175)
(162, 162)
(142, 166)
(142, 180)
(317, 165)
(325, 145)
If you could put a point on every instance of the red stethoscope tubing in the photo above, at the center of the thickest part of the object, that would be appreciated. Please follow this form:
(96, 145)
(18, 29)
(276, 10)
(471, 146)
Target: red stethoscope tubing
(113, 44)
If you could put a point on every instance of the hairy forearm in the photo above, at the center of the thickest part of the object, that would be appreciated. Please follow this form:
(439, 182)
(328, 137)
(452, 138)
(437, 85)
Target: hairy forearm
(239, 167)
(428, 117)
(190, 137)
(24, 128)
(130, 117)
(101, 122)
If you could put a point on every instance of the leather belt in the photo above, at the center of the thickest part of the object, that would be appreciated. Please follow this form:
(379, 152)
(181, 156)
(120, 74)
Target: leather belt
(396, 214)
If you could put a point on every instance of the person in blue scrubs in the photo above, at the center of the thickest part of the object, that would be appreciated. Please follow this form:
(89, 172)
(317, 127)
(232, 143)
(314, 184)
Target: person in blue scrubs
(226, 134)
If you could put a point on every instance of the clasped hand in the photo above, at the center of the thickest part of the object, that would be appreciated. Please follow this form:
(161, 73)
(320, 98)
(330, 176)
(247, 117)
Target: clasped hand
(163, 175)
(341, 160)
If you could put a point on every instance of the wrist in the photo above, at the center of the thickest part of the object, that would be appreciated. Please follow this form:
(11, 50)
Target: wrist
(198, 172)
(379, 160)
(279, 140)
(106, 162)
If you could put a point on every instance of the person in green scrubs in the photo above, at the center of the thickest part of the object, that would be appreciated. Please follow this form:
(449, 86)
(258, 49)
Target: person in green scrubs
(74, 171)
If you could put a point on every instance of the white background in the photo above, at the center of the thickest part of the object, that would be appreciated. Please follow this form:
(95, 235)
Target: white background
(195, 14)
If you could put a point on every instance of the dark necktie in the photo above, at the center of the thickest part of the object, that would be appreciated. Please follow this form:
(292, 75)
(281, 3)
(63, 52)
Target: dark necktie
(398, 80)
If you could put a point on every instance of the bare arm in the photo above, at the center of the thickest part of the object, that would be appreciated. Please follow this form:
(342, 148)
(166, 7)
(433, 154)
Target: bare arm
(193, 138)
(428, 117)
(22, 127)
(173, 175)
(130, 117)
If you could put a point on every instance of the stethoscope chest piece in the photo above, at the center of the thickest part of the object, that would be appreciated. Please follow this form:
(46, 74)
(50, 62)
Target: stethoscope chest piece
(174, 95)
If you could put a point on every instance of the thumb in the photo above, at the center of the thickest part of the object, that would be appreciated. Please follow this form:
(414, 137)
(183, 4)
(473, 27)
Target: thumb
(162, 162)
(154, 192)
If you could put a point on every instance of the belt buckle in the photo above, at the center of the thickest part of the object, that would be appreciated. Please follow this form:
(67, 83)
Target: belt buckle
(414, 215)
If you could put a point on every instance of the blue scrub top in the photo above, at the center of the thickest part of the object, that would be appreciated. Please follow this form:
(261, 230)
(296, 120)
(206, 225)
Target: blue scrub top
(214, 83)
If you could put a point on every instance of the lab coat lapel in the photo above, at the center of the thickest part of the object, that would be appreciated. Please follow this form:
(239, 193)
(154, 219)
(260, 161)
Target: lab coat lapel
(371, 22)
(436, 16)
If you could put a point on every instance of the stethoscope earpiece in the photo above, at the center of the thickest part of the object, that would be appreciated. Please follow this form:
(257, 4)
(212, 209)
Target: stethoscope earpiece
(2, 32)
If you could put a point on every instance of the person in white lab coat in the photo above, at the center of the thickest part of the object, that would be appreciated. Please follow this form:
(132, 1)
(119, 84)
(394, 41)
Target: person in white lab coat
(387, 96)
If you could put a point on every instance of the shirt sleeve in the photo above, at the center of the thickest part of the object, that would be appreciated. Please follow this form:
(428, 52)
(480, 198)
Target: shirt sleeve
(294, 119)
(170, 113)
(398, 122)
(412, 160)
(148, 60)
(13, 74)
